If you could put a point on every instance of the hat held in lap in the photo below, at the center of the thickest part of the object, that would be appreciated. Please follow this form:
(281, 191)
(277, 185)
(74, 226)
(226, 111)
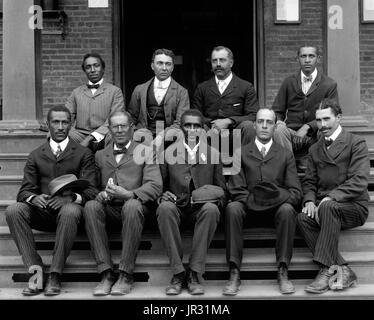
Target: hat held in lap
(207, 193)
(67, 182)
(265, 196)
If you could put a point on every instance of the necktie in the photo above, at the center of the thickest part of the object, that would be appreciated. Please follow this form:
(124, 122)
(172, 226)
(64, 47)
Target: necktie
(93, 86)
(58, 151)
(221, 86)
(328, 142)
(263, 151)
(119, 151)
(307, 79)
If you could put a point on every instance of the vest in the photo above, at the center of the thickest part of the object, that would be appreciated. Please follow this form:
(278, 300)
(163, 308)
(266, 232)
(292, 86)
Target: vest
(155, 111)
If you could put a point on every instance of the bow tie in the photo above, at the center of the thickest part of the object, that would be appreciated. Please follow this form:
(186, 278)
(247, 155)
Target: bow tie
(328, 142)
(93, 86)
(119, 151)
(307, 79)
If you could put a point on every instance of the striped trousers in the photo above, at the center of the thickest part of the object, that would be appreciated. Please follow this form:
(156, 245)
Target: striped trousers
(128, 218)
(22, 218)
(323, 239)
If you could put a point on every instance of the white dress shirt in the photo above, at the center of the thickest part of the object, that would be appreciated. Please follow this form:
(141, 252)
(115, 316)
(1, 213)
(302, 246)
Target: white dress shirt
(260, 145)
(335, 135)
(118, 157)
(191, 152)
(160, 88)
(222, 84)
(306, 85)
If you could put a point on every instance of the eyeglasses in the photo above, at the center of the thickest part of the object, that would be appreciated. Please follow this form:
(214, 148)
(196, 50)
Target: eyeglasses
(124, 126)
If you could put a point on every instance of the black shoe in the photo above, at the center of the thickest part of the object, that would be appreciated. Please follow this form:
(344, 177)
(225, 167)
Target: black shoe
(176, 284)
(193, 283)
(285, 285)
(123, 285)
(232, 286)
(53, 286)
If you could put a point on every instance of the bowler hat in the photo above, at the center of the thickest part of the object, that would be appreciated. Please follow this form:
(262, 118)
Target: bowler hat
(67, 182)
(266, 195)
(207, 193)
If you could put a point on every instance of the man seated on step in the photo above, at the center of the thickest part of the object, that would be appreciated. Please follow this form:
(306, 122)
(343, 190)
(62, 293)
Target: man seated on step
(37, 209)
(335, 196)
(92, 103)
(194, 193)
(267, 190)
(159, 101)
(297, 99)
(130, 181)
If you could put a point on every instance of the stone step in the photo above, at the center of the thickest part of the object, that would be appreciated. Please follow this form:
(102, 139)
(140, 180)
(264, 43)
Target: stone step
(20, 142)
(366, 132)
(250, 290)
(12, 163)
(9, 186)
(3, 205)
(154, 265)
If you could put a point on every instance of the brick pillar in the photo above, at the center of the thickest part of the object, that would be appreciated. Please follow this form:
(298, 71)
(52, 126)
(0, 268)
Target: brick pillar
(343, 56)
(20, 49)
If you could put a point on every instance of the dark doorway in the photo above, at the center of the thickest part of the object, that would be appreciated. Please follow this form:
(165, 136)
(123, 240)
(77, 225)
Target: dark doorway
(191, 29)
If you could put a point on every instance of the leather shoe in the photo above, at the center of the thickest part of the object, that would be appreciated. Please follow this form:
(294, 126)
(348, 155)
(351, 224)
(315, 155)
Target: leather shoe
(349, 277)
(232, 286)
(176, 284)
(105, 285)
(193, 283)
(321, 282)
(285, 285)
(31, 292)
(53, 286)
(123, 285)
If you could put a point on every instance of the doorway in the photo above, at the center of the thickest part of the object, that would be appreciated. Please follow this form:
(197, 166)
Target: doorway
(191, 29)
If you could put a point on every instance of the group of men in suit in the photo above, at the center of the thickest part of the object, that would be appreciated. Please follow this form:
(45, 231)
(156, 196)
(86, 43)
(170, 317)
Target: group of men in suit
(126, 184)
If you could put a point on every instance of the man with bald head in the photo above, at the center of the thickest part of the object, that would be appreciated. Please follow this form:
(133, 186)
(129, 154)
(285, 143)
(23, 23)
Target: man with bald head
(267, 189)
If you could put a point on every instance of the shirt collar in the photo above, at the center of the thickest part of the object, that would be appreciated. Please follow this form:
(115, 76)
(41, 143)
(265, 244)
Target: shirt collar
(335, 134)
(127, 146)
(226, 81)
(62, 144)
(313, 75)
(188, 147)
(164, 83)
(99, 82)
(260, 144)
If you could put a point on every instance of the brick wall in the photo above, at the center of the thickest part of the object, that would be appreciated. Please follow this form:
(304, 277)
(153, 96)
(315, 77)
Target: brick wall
(89, 29)
(367, 69)
(282, 41)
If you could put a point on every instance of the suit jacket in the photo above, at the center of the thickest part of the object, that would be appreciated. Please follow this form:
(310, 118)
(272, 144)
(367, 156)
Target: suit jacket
(177, 173)
(278, 167)
(175, 103)
(238, 102)
(42, 166)
(340, 173)
(296, 108)
(90, 111)
(144, 179)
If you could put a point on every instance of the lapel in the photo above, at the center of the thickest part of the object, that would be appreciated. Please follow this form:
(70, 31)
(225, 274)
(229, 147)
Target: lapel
(128, 155)
(273, 151)
(323, 153)
(212, 85)
(98, 92)
(109, 156)
(315, 83)
(47, 151)
(338, 145)
(170, 93)
(69, 150)
(254, 152)
(231, 86)
(143, 99)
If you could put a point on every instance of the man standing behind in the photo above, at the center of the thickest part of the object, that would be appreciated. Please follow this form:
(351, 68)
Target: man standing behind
(298, 98)
(36, 209)
(92, 103)
(129, 183)
(160, 98)
(266, 187)
(226, 101)
(335, 195)
(194, 191)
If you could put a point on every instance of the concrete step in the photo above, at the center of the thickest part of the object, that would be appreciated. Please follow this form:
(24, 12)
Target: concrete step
(9, 186)
(250, 290)
(358, 239)
(366, 132)
(12, 163)
(155, 265)
(3, 205)
(20, 142)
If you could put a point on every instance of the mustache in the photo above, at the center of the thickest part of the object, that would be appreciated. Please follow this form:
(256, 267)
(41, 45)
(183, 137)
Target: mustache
(324, 128)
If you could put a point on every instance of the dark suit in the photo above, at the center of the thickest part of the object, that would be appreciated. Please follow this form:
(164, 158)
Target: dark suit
(181, 179)
(176, 101)
(296, 108)
(341, 173)
(41, 167)
(91, 111)
(278, 167)
(144, 180)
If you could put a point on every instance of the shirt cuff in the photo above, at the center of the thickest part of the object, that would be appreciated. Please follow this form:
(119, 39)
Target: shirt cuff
(78, 198)
(97, 136)
(29, 199)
